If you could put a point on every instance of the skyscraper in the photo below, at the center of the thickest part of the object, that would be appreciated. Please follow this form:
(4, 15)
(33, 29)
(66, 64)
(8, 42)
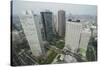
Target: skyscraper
(84, 40)
(47, 25)
(72, 35)
(32, 33)
(55, 24)
(61, 22)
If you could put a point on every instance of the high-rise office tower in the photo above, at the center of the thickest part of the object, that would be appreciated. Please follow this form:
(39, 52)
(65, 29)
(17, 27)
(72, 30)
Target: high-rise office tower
(61, 22)
(84, 40)
(72, 35)
(46, 18)
(32, 33)
(55, 24)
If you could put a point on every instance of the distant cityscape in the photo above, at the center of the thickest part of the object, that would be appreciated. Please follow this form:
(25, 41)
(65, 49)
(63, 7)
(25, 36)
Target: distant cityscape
(48, 38)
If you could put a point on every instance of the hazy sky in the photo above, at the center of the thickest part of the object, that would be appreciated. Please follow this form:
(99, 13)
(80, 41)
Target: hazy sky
(37, 7)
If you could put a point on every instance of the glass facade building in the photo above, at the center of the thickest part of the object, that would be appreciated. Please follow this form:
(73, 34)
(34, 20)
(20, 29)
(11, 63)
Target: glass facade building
(47, 25)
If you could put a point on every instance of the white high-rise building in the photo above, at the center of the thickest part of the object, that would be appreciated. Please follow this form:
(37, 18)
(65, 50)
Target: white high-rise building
(72, 35)
(32, 33)
(84, 40)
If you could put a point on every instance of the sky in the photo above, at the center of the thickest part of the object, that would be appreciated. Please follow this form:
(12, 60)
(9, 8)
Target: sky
(37, 7)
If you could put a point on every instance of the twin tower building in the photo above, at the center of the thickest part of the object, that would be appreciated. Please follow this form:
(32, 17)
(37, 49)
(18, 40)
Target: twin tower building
(40, 28)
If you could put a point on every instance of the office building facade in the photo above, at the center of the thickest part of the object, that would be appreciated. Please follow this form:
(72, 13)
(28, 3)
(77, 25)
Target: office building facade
(32, 33)
(61, 22)
(84, 40)
(46, 18)
(72, 35)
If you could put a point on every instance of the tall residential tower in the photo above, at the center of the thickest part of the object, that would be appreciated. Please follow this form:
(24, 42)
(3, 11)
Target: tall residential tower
(61, 22)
